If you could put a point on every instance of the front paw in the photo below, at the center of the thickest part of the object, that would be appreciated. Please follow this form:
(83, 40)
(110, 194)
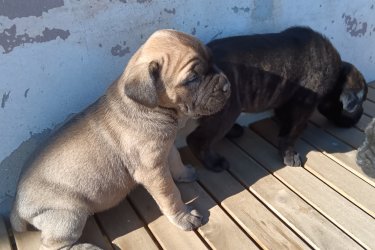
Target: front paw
(84, 246)
(188, 175)
(215, 162)
(188, 219)
(235, 132)
(292, 159)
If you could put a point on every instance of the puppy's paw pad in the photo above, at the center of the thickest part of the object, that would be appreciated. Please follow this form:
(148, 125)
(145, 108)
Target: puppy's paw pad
(189, 175)
(187, 220)
(293, 160)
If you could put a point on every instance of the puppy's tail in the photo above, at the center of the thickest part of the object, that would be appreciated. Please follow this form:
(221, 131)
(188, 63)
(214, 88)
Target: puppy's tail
(18, 224)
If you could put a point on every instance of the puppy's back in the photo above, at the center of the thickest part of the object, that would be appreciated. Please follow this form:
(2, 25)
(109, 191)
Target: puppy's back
(299, 55)
(292, 42)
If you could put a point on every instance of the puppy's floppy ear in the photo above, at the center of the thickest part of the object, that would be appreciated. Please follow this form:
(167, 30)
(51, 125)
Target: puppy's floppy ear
(140, 85)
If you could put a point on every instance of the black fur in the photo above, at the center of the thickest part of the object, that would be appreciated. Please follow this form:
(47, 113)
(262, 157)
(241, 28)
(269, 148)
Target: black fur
(350, 80)
(290, 72)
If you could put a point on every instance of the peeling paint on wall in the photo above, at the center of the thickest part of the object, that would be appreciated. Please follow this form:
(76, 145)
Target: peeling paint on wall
(243, 9)
(25, 8)
(9, 38)
(193, 31)
(144, 1)
(170, 11)
(4, 99)
(119, 50)
(354, 27)
(26, 92)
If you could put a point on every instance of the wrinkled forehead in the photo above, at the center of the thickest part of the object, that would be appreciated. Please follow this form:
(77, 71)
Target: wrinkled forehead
(176, 44)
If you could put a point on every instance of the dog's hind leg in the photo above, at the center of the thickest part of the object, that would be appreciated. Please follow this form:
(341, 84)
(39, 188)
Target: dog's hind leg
(293, 117)
(211, 129)
(61, 229)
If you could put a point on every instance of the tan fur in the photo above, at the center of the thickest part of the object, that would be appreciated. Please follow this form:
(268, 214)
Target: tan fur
(123, 139)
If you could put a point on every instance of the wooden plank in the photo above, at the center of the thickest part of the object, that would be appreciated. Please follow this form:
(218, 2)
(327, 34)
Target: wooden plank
(92, 234)
(351, 136)
(363, 122)
(334, 175)
(4, 237)
(30, 240)
(371, 84)
(125, 229)
(371, 94)
(220, 232)
(369, 108)
(261, 224)
(167, 234)
(348, 217)
(338, 151)
(314, 228)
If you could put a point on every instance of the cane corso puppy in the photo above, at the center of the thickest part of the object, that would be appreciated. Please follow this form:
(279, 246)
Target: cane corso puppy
(123, 139)
(292, 72)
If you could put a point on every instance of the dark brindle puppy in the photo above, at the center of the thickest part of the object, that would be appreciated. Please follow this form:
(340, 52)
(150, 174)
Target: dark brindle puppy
(292, 72)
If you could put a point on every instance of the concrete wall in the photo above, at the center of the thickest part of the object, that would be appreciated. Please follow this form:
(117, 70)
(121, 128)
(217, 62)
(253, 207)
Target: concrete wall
(57, 56)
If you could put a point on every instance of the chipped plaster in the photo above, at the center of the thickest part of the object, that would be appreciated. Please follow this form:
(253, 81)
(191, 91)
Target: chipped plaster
(120, 50)
(26, 8)
(9, 39)
(353, 27)
(5, 99)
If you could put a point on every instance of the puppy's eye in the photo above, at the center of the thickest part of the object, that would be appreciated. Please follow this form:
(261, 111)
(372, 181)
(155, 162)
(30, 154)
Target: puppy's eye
(192, 78)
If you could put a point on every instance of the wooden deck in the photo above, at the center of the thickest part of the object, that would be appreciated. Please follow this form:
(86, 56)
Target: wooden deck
(258, 203)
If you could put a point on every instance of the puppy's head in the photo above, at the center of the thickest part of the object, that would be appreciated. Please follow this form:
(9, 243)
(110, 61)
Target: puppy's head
(344, 107)
(354, 90)
(175, 70)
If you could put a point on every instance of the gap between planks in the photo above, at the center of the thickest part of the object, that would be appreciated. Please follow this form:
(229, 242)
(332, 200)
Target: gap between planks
(338, 151)
(4, 236)
(219, 232)
(327, 201)
(252, 216)
(303, 219)
(340, 179)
